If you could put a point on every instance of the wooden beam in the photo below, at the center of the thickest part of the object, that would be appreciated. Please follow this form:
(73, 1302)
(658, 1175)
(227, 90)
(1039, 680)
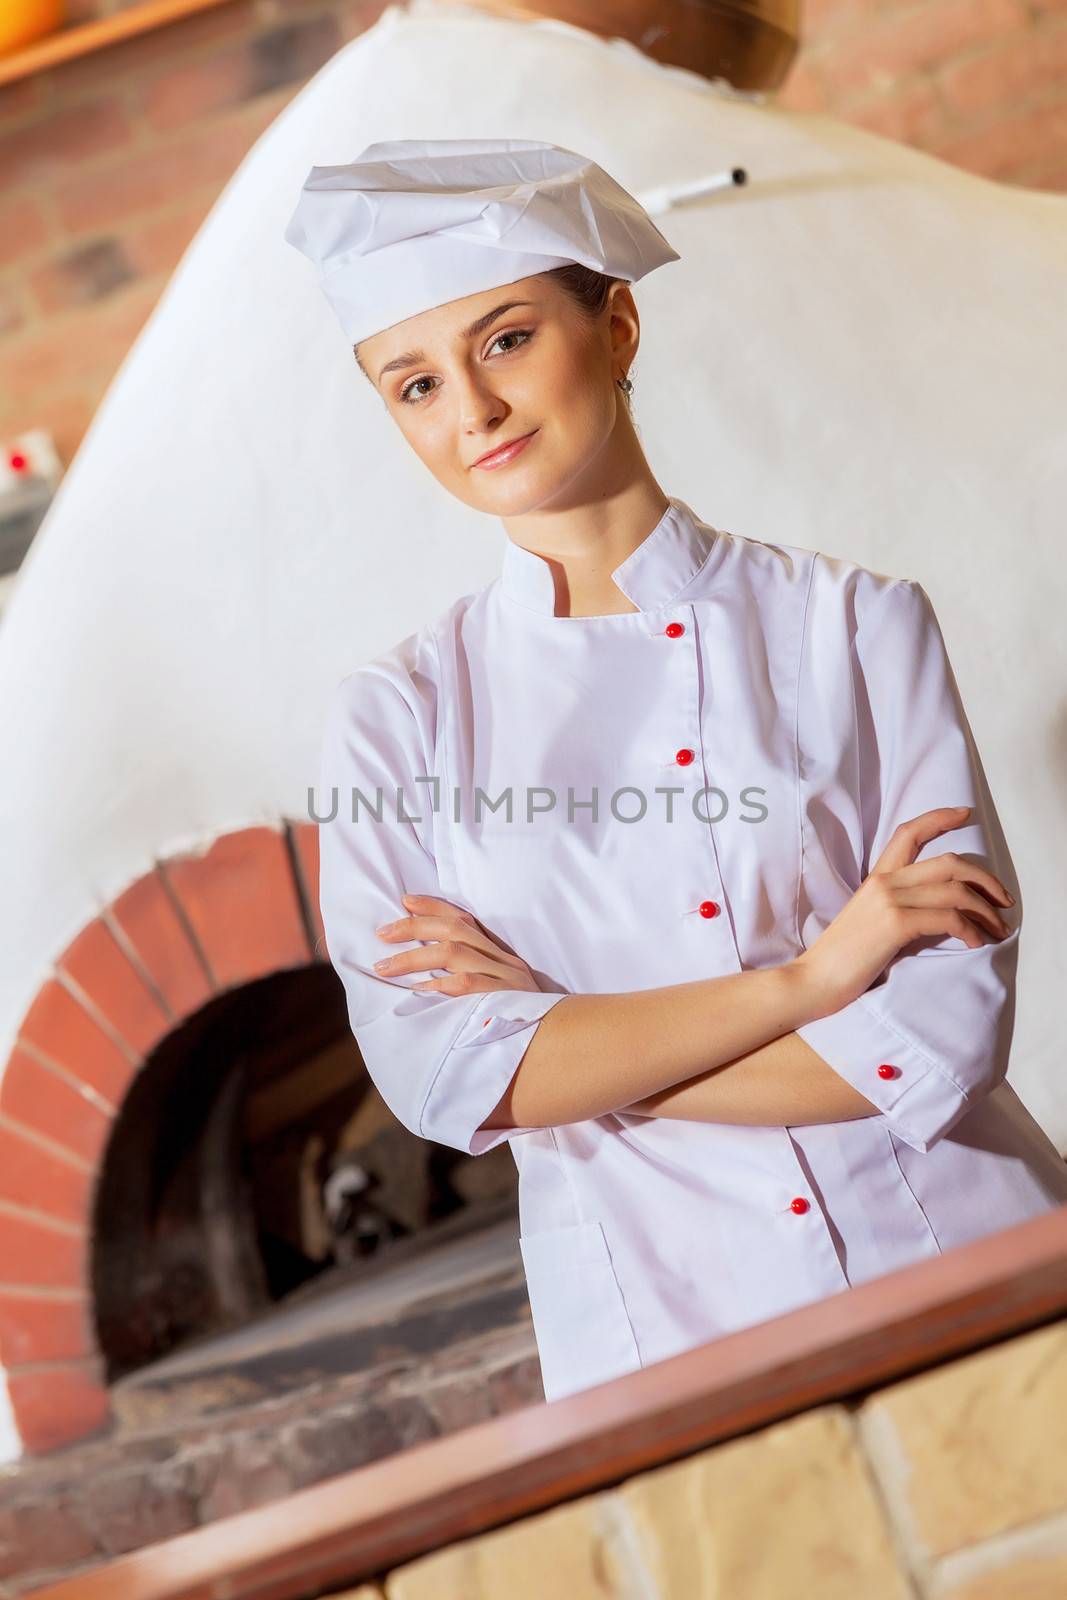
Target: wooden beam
(366, 1522)
(66, 44)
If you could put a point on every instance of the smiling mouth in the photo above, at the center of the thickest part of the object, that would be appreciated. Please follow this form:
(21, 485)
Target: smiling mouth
(505, 452)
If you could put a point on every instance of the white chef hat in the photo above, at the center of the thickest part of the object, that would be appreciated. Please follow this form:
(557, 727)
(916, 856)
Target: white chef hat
(414, 223)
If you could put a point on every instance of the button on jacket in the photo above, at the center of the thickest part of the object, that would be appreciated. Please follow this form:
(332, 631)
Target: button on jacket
(696, 788)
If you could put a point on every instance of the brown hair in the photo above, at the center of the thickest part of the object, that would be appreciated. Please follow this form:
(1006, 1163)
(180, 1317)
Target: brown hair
(586, 287)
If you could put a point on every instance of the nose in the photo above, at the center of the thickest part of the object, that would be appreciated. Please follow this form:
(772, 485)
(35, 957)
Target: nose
(478, 404)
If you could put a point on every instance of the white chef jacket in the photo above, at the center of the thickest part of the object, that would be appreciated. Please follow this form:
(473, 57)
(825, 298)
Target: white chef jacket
(800, 706)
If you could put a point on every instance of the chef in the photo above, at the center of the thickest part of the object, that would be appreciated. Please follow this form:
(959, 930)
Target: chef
(668, 856)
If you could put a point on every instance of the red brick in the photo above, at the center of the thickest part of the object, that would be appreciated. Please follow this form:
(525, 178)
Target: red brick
(259, 113)
(306, 844)
(155, 177)
(36, 1326)
(1007, 143)
(21, 98)
(39, 364)
(23, 229)
(34, 1177)
(55, 1405)
(60, 1028)
(82, 276)
(242, 905)
(36, 1535)
(907, 41)
(1049, 174)
(159, 245)
(130, 1510)
(42, 1099)
(803, 89)
(197, 88)
(911, 114)
(819, 17)
(115, 989)
(1014, 72)
(50, 146)
(113, 67)
(37, 1256)
(145, 915)
(256, 65)
(12, 311)
(292, 52)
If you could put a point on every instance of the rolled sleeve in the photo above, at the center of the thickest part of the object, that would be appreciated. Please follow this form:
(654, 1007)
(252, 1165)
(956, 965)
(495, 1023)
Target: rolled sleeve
(933, 1035)
(478, 1067)
(440, 1062)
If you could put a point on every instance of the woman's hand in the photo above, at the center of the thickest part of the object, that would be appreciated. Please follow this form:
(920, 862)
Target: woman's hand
(902, 900)
(473, 961)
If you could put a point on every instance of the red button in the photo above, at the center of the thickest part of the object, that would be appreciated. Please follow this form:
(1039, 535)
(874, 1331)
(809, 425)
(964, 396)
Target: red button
(674, 630)
(886, 1071)
(708, 908)
(17, 461)
(683, 757)
(799, 1205)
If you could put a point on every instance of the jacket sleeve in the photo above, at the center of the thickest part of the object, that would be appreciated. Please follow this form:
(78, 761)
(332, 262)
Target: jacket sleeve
(941, 1015)
(440, 1062)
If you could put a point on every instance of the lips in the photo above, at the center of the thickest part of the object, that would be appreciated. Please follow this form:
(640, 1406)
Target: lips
(505, 452)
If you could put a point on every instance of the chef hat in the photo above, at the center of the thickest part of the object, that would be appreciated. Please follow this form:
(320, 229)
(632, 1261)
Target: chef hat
(414, 223)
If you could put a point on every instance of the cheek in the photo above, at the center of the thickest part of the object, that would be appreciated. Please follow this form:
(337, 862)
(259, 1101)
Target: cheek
(572, 389)
(426, 436)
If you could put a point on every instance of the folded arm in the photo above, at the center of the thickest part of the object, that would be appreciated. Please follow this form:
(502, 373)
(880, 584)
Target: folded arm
(932, 1035)
(472, 1070)
(715, 1050)
(755, 1047)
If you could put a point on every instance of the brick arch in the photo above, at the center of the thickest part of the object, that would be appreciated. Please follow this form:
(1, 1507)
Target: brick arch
(200, 923)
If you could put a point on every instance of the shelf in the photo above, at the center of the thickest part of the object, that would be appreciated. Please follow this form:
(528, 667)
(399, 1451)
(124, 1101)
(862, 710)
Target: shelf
(66, 44)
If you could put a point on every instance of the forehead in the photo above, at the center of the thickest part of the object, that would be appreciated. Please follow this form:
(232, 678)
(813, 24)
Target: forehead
(407, 342)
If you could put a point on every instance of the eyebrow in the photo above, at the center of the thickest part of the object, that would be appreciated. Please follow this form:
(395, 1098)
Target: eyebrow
(414, 358)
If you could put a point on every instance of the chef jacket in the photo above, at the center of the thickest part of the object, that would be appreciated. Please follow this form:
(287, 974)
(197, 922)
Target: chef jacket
(799, 706)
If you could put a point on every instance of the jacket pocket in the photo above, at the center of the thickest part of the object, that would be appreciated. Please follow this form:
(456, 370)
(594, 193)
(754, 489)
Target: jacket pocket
(581, 1325)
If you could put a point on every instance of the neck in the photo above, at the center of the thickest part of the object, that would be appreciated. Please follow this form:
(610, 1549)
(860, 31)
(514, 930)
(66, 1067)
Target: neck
(584, 543)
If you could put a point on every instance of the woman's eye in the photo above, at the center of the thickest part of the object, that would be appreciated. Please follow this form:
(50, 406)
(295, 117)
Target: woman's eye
(405, 392)
(524, 335)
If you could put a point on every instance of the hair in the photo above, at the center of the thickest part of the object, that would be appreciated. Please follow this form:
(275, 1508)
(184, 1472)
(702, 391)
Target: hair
(587, 288)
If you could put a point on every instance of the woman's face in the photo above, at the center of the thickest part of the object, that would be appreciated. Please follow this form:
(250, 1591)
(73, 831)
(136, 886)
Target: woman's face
(465, 378)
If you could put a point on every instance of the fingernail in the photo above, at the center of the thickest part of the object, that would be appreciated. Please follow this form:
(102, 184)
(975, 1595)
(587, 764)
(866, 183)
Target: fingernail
(386, 927)
(379, 965)
(1011, 897)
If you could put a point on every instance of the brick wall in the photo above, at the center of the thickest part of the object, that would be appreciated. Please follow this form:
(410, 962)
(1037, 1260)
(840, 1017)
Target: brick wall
(109, 163)
(980, 83)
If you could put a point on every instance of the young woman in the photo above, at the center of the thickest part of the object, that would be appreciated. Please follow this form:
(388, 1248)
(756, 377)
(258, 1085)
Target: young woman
(668, 856)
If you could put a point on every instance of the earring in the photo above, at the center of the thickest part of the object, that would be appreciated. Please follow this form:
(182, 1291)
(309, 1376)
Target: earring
(625, 385)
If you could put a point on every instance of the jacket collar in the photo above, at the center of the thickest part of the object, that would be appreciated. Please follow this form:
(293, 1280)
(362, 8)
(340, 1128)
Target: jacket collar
(664, 562)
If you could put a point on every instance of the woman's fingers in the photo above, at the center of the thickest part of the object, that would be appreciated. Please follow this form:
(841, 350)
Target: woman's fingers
(446, 955)
(909, 837)
(937, 921)
(953, 896)
(951, 865)
(454, 925)
(454, 944)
